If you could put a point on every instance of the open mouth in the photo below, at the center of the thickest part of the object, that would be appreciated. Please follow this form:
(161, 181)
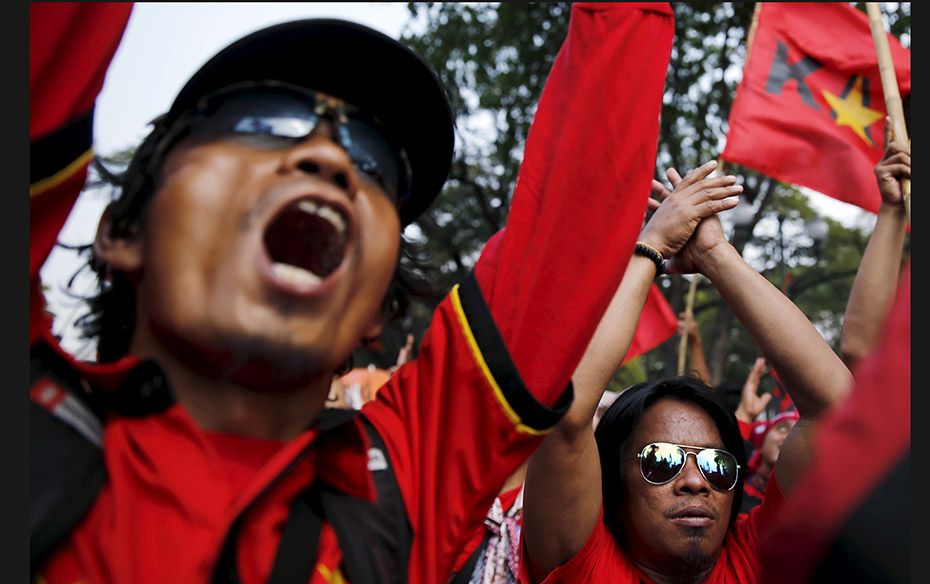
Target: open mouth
(306, 242)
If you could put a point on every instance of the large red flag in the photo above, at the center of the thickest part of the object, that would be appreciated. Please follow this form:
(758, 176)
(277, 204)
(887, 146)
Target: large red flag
(810, 109)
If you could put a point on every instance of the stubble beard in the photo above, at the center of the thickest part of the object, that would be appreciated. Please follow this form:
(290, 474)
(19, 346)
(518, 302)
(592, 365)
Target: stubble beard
(696, 560)
(253, 362)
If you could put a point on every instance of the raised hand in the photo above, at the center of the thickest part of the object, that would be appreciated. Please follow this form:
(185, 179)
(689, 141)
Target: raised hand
(686, 212)
(751, 403)
(894, 165)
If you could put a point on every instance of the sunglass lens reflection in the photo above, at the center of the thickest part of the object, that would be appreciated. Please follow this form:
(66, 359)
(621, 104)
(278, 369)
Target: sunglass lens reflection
(661, 462)
(718, 467)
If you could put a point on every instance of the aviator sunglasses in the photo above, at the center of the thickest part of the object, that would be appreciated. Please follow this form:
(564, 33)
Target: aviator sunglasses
(660, 462)
(272, 115)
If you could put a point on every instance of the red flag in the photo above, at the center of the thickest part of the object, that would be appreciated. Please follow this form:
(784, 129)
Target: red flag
(657, 323)
(810, 108)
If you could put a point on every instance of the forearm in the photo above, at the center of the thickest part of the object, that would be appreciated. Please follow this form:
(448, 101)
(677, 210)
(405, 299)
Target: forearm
(815, 376)
(875, 284)
(696, 360)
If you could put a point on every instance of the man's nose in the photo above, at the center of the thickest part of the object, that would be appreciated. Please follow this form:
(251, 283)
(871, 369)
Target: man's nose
(691, 479)
(322, 155)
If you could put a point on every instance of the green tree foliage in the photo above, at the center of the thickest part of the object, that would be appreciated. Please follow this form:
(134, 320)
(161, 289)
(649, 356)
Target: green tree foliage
(494, 58)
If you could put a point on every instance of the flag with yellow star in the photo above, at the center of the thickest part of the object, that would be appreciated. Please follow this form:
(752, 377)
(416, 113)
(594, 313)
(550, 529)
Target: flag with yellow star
(810, 109)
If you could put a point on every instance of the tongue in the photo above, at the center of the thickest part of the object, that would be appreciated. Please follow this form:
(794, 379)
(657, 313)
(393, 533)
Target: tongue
(305, 241)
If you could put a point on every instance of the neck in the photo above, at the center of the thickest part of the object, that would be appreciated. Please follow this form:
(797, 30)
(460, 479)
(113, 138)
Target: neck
(687, 575)
(245, 400)
(227, 407)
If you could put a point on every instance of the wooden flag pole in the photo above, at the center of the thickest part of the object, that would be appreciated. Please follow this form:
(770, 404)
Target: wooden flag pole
(890, 89)
(689, 312)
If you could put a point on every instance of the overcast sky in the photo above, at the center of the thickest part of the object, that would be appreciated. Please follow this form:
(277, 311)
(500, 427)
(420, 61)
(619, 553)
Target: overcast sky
(165, 43)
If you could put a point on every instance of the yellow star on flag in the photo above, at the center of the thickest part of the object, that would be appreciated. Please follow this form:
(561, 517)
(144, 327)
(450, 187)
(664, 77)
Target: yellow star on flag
(852, 112)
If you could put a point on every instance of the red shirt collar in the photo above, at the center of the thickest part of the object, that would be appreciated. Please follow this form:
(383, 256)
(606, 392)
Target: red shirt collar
(339, 452)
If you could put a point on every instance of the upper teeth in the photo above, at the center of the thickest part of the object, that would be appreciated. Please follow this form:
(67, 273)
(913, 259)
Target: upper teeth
(324, 212)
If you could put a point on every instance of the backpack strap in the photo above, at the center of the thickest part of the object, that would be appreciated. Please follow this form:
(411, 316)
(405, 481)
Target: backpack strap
(298, 549)
(375, 536)
(66, 468)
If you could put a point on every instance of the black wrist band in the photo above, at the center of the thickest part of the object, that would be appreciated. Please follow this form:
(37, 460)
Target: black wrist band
(647, 251)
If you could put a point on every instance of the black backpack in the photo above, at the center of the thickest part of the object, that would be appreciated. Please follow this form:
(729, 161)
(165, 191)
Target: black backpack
(67, 472)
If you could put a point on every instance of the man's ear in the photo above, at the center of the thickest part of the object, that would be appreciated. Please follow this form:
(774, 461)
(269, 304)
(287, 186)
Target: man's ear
(119, 253)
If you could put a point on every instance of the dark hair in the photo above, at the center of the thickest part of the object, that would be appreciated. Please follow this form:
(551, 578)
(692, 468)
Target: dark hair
(731, 392)
(111, 315)
(621, 418)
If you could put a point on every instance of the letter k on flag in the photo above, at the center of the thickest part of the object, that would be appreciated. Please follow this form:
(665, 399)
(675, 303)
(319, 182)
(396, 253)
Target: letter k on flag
(810, 109)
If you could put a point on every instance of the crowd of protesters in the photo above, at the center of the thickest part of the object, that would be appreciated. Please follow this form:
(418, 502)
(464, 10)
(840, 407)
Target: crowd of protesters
(255, 241)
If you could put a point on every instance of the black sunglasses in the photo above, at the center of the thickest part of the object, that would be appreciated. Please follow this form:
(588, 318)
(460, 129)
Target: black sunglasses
(660, 462)
(273, 115)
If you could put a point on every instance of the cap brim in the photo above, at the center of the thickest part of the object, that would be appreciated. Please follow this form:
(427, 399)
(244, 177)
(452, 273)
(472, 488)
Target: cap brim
(362, 66)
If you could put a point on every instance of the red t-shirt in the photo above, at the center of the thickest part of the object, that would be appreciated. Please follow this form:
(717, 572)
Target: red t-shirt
(472, 407)
(602, 560)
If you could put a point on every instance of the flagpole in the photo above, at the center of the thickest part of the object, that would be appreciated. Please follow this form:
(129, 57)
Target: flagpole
(890, 89)
(689, 313)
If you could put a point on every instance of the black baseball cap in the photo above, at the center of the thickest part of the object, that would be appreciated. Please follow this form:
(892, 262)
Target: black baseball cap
(364, 67)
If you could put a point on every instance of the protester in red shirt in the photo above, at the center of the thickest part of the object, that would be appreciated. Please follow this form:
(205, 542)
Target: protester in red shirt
(766, 439)
(626, 503)
(251, 247)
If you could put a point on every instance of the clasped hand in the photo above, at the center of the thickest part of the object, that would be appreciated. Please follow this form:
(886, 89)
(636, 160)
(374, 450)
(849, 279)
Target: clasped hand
(684, 227)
